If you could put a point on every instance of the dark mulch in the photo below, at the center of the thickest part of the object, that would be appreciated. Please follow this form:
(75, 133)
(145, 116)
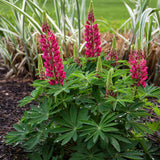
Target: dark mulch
(11, 91)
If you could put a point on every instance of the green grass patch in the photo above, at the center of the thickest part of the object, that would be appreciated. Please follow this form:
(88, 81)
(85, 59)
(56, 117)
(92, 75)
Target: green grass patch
(113, 11)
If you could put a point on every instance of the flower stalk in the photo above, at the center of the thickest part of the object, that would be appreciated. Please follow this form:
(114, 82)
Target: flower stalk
(139, 67)
(112, 56)
(52, 57)
(92, 36)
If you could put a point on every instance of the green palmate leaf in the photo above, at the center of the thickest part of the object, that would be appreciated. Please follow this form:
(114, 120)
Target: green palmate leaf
(140, 128)
(114, 105)
(135, 155)
(59, 91)
(14, 137)
(37, 92)
(18, 136)
(94, 130)
(115, 144)
(69, 124)
(84, 154)
(25, 101)
(38, 114)
(34, 156)
(149, 91)
(157, 111)
(70, 70)
(33, 141)
(122, 139)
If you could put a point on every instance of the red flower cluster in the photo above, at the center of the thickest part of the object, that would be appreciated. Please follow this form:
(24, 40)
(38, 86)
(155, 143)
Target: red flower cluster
(138, 67)
(52, 57)
(92, 37)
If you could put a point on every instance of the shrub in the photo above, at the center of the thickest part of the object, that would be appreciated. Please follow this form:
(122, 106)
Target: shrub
(94, 113)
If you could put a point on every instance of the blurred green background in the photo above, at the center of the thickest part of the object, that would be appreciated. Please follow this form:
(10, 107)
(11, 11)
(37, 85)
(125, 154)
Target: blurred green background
(114, 11)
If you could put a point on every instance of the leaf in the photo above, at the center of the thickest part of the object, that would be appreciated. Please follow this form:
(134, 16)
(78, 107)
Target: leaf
(36, 25)
(60, 90)
(115, 144)
(32, 141)
(110, 129)
(143, 20)
(132, 16)
(122, 139)
(95, 137)
(65, 138)
(34, 156)
(135, 155)
(36, 92)
(60, 130)
(114, 105)
(157, 111)
(69, 124)
(38, 114)
(19, 127)
(25, 101)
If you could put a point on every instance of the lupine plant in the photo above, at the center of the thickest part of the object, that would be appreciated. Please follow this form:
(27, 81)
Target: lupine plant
(144, 23)
(87, 113)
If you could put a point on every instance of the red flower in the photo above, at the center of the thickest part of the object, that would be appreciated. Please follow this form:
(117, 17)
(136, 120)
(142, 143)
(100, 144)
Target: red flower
(52, 57)
(92, 36)
(138, 67)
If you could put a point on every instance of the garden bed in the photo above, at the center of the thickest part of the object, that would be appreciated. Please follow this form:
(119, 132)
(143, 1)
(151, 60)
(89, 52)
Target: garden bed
(11, 91)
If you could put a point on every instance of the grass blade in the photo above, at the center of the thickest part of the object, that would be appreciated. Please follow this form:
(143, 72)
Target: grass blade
(57, 13)
(79, 26)
(37, 26)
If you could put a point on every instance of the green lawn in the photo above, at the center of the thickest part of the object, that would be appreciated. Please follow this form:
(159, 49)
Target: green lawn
(107, 9)
(114, 11)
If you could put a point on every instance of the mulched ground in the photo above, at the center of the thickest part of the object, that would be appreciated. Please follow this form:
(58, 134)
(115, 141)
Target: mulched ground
(11, 91)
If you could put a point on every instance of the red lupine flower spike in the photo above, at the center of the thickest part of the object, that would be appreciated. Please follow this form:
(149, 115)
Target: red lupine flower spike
(92, 36)
(138, 67)
(51, 56)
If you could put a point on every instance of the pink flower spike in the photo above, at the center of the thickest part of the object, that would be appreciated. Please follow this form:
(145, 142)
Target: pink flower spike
(51, 55)
(92, 36)
(138, 67)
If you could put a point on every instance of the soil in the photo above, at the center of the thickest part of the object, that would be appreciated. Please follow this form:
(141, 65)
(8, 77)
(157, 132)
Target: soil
(11, 91)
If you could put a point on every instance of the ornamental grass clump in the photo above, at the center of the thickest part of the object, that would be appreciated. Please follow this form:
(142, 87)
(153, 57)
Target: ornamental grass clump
(92, 36)
(138, 67)
(52, 57)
